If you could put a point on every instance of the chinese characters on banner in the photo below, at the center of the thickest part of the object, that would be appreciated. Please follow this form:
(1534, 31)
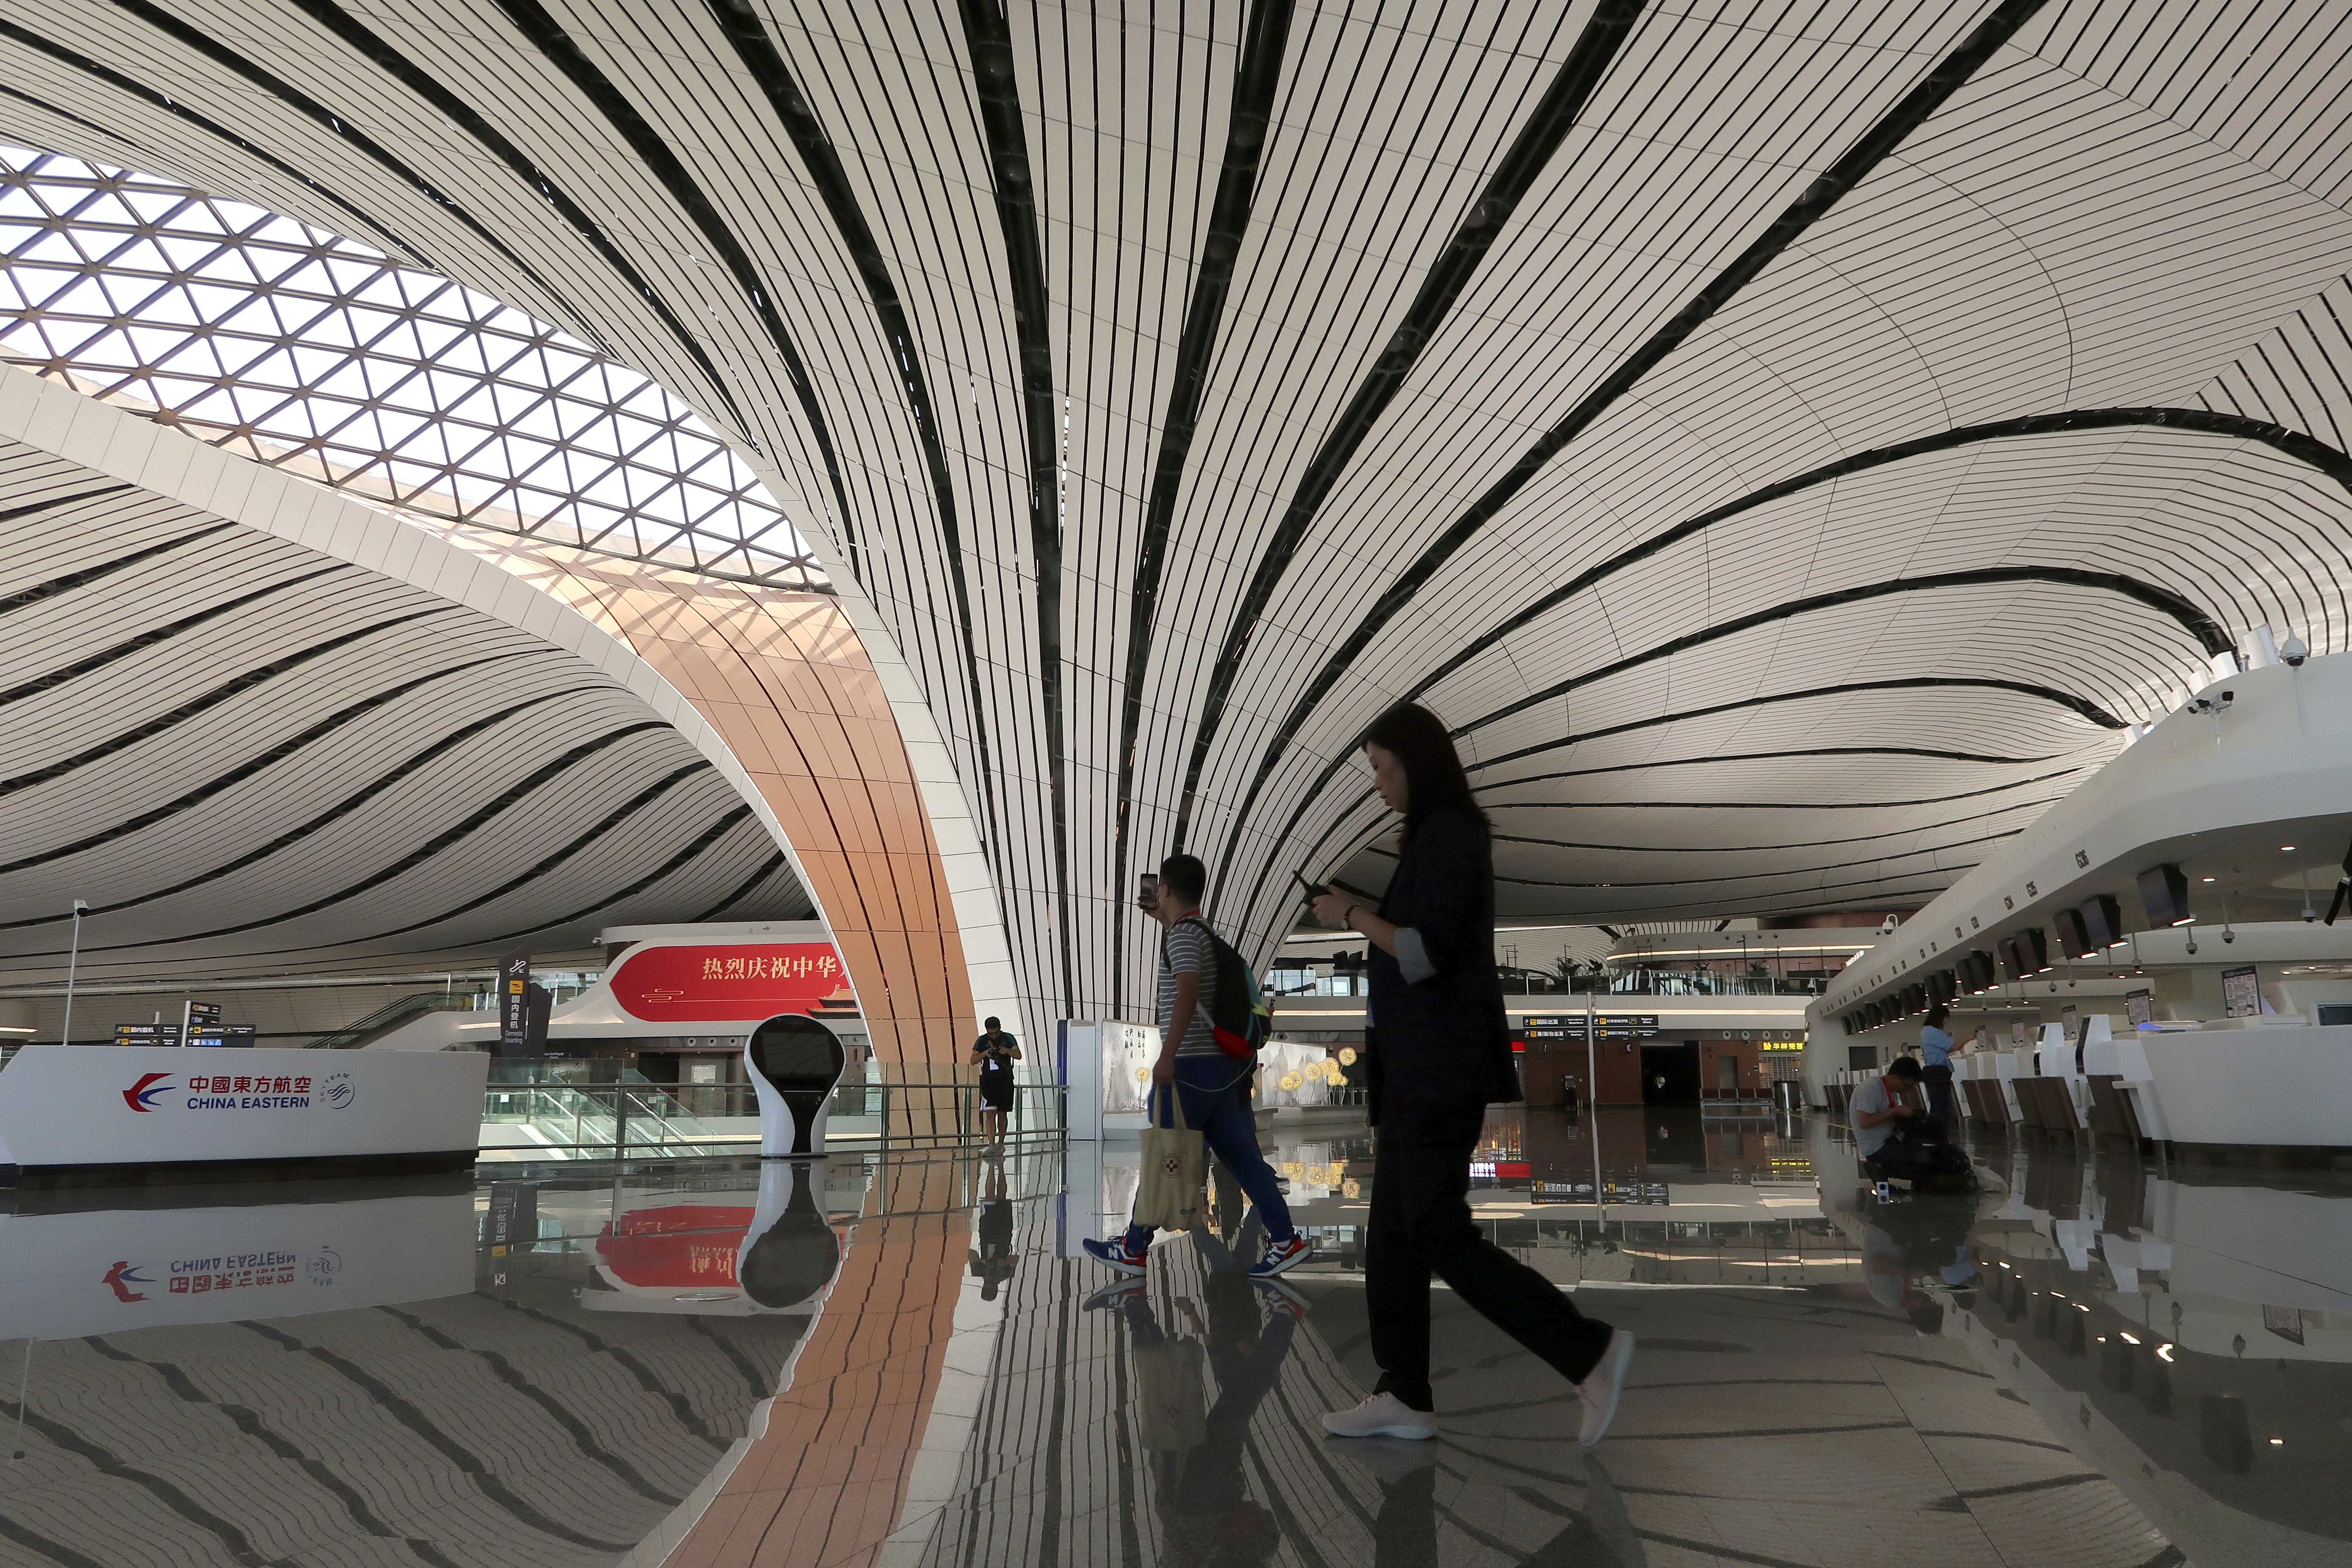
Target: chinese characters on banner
(739, 982)
(243, 1279)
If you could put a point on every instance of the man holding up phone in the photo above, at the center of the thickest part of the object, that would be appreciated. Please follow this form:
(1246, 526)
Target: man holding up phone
(995, 1053)
(1207, 1080)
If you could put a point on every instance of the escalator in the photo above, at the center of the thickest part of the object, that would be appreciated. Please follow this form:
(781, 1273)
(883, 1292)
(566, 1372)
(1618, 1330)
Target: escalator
(387, 1018)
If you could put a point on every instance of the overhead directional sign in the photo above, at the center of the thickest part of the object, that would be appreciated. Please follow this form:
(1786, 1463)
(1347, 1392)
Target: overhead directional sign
(1570, 1027)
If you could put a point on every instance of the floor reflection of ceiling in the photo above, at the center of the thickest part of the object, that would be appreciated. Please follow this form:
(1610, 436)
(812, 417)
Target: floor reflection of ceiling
(512, 1422)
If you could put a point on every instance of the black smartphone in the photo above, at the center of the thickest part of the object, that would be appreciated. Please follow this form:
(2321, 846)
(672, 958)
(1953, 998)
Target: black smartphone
(1313, 890)
(1147, 894)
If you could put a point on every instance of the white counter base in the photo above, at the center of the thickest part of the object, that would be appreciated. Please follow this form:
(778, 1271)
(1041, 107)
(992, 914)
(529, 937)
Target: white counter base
(2268, 1088)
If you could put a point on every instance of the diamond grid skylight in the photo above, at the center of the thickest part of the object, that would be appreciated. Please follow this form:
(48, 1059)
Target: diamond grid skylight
(302, 350)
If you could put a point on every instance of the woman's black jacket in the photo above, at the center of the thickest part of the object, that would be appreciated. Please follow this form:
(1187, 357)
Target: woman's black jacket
(1441, 1046)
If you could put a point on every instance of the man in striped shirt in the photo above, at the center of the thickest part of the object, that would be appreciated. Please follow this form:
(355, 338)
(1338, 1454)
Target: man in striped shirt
(1209, 1082)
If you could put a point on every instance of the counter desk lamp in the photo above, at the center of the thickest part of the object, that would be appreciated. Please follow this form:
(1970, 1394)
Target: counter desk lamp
(796, 1063)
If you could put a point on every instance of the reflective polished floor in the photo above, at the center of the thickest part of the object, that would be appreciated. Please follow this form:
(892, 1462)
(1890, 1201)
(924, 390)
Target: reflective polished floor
(898, 1359)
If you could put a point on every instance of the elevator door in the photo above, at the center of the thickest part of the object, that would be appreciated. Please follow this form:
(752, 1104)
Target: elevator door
(1670, 1073)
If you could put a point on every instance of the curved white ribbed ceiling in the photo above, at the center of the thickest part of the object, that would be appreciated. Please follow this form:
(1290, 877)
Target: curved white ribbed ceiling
(1788, 442)
(252, 757)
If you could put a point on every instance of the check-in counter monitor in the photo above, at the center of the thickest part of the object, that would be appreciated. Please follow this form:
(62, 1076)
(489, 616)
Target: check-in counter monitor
(796, 1063)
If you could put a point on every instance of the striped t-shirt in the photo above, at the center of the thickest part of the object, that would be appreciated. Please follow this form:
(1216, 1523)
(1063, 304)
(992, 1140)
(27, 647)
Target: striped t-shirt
(1187, 950)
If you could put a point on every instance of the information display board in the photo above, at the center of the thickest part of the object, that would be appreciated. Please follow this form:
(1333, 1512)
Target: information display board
(1535, 1026)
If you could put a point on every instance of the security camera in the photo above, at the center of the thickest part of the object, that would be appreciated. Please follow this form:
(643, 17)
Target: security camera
(2309, 916)
(2192, 947)
(2228, 936)
(2295, 650)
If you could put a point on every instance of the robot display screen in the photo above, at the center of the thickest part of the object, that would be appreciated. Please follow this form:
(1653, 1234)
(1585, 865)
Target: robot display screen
(798, 1053)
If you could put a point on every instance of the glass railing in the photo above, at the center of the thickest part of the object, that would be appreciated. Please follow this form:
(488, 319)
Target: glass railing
(550, 1119)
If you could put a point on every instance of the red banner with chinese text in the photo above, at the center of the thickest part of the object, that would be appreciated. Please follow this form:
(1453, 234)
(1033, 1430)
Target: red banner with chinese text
(685, 1245)
(737, 983)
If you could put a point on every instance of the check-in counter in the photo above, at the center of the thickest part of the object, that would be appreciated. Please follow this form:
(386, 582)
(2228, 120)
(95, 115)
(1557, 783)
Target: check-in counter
(2268, 1087)
(74, 1114)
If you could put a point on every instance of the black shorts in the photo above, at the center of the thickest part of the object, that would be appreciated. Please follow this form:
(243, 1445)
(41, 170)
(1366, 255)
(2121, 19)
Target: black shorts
(996, 1090)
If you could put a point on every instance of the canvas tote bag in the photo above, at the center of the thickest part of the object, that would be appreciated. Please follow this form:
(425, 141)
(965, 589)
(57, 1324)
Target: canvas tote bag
(1174, 1165)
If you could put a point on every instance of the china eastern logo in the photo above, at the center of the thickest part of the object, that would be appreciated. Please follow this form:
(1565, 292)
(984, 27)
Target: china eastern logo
(120, 1277)
(141, 1096)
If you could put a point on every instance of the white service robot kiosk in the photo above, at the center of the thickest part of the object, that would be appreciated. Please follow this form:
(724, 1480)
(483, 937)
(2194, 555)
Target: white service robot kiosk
(790, 1252)
(795, 1062)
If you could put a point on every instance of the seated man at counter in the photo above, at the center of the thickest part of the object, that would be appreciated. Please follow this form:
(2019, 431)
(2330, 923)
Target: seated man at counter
(1896, 1134)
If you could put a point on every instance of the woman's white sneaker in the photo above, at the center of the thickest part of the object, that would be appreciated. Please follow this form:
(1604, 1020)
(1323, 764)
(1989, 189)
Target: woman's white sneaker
(1600, 1387)
(1380, 1415)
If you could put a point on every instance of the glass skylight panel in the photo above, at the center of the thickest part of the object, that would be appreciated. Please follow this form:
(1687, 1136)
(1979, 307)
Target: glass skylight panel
(303, 350)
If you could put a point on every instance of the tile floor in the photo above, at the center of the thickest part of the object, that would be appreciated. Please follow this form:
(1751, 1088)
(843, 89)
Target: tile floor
(2097, 1361)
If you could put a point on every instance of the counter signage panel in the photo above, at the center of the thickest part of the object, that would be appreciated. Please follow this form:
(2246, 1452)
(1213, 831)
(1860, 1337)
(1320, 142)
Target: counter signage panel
(2241, 996)
(2139, 1006)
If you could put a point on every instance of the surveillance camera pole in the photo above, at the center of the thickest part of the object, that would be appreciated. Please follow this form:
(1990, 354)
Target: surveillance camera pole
(73, 961)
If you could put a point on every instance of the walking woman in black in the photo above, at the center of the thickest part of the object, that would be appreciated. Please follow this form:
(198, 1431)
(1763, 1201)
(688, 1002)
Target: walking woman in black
(1441, 1052)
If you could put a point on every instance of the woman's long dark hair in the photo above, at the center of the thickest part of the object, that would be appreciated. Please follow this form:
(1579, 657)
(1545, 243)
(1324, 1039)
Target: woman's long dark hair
(1432, 769)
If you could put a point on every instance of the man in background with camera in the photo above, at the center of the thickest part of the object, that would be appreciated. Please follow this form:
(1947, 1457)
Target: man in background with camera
(995, 1052)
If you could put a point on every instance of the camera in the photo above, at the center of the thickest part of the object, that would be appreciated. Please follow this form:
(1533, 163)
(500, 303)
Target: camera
(2295, 650)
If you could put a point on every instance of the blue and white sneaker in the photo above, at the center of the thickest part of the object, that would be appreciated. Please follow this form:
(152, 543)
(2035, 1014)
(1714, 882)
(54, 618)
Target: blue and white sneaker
(1115, 1296)
(1280, 1255)
(1114, 1254)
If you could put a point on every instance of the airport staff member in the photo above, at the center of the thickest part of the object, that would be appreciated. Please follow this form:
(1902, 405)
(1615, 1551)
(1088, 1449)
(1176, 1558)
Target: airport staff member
(1936, 1063)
